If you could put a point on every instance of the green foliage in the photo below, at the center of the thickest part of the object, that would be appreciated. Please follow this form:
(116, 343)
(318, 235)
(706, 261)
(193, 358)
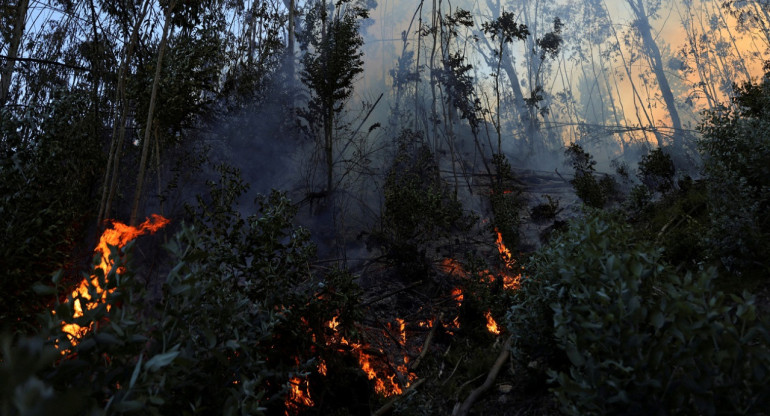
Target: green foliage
(420, 208)
(334, 57)
(736, 150)
(505, 28)
(49, 161)
(506, 202)
(622, 333)
(239, 315)
(595, 193)
(656, 171)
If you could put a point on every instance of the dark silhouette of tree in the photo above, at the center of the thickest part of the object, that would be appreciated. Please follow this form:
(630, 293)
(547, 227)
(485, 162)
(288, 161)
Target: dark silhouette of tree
(332, 61)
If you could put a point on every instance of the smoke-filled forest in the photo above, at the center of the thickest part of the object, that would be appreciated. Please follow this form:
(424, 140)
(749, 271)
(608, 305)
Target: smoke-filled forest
(385, 207)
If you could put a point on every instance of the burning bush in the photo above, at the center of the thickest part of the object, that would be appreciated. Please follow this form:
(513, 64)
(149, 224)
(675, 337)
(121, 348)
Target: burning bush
(238, 328)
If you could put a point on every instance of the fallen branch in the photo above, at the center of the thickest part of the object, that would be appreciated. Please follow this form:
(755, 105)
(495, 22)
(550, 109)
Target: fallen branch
(476, 393)
(389, 405)
(428, 340)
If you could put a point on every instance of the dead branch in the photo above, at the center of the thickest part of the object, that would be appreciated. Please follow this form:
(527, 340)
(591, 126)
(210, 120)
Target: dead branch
(428, 340)
(45, 62)
(476, 393)
(386, 408)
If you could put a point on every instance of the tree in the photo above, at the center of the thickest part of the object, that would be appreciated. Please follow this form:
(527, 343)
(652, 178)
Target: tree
(332, 60)
(651, 50)
(14, 41)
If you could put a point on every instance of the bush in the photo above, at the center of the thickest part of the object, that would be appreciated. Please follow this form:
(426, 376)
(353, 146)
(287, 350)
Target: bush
(49, 163)
(595, 193)
(736, 150)
(621, 333)
(239, 316)
(656, 171)
(420, 208)
(506, 202)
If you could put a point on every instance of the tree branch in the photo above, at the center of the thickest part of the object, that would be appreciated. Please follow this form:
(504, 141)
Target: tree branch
(46, 62)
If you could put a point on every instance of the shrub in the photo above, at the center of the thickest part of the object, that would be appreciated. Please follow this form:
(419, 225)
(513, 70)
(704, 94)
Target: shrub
(656, 171)
(49, 164)
(622, 333)
(239, 316)
(736, 150)
(594, 192)
(506, 202)
(420, 207)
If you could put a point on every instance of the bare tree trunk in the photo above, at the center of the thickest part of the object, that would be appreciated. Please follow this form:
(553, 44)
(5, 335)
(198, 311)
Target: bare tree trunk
(634, 90)
(656, 62)
(119, 129)
(13, 50)
(150, 111)
(290, 52)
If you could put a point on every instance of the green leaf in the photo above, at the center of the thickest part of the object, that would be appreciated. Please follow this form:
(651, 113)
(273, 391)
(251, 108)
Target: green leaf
(161, 360)
(657, 319)
(135, 374)
(575, 357)
(44, 290)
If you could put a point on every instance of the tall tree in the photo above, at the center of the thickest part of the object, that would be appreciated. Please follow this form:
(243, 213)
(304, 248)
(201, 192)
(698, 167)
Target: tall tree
(150, 112)
(17, 22)
(651, 50)
(332, 60)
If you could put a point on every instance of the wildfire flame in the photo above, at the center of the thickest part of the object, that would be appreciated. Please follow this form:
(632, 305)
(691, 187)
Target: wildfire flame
(119, 235)
(491, 324)
(511, 281)
(299, 395)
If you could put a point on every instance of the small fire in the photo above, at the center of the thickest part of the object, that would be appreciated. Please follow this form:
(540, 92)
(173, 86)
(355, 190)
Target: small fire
(511, 281)
(491, 324)
(401, 330)
(457, 294)
(504, 252)
(298, 396)
(119, 235)
(453, 267)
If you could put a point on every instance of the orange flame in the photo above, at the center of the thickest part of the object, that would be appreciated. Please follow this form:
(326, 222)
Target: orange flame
(491, 324)
(119, 235)
(384, 383)
(298, 396)
(457, 294)
(511, 281)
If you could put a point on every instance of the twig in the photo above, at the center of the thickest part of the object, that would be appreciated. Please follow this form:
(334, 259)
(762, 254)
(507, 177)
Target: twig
(427, 343)
(386, 408)
(391, 293)
(46, 62)
(476, 393)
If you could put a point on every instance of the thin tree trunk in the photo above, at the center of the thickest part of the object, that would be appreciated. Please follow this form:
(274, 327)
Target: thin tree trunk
(656, 62)
(119, 128)
(150, 111)
(96, 71)
(290, 52)
(13, 50)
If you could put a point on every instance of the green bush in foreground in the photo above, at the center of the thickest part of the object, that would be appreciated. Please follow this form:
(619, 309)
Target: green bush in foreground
(622, 333)
(237, 319)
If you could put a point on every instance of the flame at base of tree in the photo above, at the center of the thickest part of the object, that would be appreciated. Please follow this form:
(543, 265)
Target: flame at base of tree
(119, 235)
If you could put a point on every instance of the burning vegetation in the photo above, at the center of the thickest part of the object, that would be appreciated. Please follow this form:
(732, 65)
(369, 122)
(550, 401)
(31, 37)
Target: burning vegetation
(94, 290)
